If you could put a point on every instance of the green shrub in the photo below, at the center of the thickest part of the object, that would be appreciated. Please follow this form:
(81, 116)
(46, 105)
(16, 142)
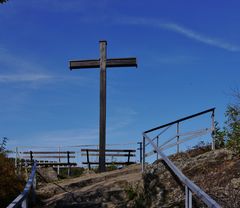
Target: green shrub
(233, 125)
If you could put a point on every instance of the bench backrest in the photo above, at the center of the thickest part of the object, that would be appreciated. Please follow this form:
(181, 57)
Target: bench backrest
(126, 153)
(31, 156)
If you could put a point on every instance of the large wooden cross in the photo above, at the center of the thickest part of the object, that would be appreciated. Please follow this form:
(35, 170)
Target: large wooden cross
(103, 63)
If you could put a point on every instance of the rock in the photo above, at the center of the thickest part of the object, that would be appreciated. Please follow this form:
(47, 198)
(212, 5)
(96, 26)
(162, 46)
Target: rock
(47, 174)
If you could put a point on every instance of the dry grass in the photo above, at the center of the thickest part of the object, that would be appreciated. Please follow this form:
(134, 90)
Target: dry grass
(10, 184)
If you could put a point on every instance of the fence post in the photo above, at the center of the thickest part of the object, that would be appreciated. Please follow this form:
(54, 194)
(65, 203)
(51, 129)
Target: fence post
(188, 198)
(213, 130)
(59, 160)
(31, 157)
(68, 161)
(129, 153)
(88, 162)
(143, 154)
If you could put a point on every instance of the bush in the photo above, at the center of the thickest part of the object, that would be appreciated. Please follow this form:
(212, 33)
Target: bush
(11, 185)
(232, 128)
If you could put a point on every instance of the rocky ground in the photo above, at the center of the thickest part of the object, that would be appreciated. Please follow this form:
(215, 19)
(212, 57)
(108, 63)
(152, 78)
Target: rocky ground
(91, 190)
(216, 172)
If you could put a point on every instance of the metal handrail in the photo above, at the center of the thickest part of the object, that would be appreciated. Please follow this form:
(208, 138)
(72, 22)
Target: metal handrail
(23, 198)
(165, 127)
(180, 120)
(190, 187)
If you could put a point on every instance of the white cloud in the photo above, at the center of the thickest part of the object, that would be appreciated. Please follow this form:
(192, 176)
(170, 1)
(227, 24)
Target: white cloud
(21, 70)
(24, 77)
(29, 78)
(181, 30)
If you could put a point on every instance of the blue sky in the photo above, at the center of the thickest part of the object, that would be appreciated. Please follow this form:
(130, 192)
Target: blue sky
(188, 61)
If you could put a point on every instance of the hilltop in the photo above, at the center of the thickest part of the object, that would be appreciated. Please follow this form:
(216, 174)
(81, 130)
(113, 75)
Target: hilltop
(216, 172)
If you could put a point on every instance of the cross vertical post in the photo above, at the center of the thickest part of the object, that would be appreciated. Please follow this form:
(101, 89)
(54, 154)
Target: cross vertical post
(102, 126)
(103, 63)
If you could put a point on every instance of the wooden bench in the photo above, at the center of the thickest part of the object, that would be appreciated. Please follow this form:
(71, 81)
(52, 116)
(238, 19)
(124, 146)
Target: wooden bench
(30, 157)
(127, 153)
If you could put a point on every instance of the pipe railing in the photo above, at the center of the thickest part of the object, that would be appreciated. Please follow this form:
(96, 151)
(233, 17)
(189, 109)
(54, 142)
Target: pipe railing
(182, 137)
(190, 187)
(28, 194)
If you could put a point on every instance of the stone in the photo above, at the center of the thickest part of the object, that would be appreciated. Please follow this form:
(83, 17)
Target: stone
(47, 174)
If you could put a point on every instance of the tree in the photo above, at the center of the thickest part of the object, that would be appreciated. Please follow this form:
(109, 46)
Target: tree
(3, 1)
(220, 136)
(3, 145)
(233, 124)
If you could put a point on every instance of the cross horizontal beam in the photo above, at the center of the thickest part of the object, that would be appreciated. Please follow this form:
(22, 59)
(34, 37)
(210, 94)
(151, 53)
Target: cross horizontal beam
(95, 63)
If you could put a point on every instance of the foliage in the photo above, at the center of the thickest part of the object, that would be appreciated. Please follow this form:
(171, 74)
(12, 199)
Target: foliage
(232, 128)
(136, 195)
(131, 192)
(10, 184)
(3, 1)
(75, 172)
(3, 145)
(220, 136)
(112, 166)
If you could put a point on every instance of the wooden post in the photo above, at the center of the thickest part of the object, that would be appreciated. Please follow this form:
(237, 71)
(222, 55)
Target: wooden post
(88, 161)
(103, 63)
(129, 155)
(31, 157)
(59, 160)
(102, 127)
(68, 161)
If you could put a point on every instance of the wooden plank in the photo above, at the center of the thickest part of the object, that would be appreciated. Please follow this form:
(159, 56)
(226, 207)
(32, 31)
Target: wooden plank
(54, 163)
(122, 62)
(93, 63)
(109, 163)
(47, 152)
(114, 155)
(109, 150)
(42, 156)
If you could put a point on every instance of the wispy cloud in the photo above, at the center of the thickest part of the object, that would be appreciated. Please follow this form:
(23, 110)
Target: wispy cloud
(21, 70)
(36, 78)
(24, 77)
(182, 31)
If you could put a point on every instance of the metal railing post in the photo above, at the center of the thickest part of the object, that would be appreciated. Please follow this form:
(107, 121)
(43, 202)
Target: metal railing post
(16, 161)
(25, 203)
(213, 130)
(188, 198)
(143, 154)
(140, 151)
(157, 145)
(177, 137)
(34, 187)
